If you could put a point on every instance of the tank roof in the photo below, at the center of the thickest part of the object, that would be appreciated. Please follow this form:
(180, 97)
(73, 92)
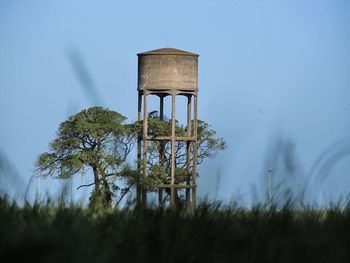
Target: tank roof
(167, 51)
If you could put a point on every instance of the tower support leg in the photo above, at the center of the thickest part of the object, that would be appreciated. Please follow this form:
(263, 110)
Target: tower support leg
(194, 170)
(145, 142)
(161, 151)
(188, 151)
(172, 189)
(139, 139)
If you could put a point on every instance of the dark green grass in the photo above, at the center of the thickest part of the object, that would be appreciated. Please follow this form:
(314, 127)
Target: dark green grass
(209, 234)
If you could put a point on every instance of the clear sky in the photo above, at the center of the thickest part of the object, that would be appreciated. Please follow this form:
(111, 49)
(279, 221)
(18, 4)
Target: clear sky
(274, 81)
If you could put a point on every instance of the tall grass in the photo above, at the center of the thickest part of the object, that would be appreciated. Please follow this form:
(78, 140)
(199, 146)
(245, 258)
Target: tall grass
(211, 233)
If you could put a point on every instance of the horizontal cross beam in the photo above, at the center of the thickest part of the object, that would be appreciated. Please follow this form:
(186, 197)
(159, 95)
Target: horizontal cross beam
(176, 186)
(168, 138)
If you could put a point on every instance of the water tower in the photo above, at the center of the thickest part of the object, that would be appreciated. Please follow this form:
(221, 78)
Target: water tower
(169, 72)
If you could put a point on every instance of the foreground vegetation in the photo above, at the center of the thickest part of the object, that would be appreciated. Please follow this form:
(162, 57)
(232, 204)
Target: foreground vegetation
(211, 233)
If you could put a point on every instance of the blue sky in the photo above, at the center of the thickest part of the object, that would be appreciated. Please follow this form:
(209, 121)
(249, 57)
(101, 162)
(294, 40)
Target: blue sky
(270, 73)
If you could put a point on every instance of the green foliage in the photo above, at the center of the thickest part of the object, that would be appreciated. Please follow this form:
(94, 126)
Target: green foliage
(157, 175)
(208, 146)
(95, 139)
(211, 233)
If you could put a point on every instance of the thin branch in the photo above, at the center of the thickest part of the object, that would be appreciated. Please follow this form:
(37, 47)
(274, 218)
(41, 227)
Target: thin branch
(85, 185)
(124, 193)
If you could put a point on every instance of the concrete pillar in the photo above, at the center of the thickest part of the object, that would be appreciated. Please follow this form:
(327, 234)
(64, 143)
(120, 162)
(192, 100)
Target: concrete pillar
(194, 170)
(188, 150)
(139, 139)
(161, 151)
(172, 182)
(145, 142)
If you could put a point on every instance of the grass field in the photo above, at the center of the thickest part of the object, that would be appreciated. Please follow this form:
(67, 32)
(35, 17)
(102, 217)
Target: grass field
(211, 233)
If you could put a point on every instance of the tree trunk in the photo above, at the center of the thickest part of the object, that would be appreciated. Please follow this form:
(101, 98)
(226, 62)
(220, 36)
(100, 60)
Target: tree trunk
(106, 194)
(96, 180)
(177, 200)
(106, 191)
(102, 195)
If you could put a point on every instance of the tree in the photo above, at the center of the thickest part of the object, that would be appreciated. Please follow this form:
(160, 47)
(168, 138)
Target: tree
(159, 153)
(98, 140)
(95, 139)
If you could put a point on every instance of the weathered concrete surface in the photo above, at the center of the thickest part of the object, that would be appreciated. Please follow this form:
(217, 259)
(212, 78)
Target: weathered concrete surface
(168, 71)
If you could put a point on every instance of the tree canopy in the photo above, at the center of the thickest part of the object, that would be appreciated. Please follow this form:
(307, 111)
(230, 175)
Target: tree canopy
(98, 140)
(159, 152)
(95, 139)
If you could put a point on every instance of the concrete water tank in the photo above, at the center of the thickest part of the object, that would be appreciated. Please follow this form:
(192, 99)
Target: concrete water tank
(167, 69)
